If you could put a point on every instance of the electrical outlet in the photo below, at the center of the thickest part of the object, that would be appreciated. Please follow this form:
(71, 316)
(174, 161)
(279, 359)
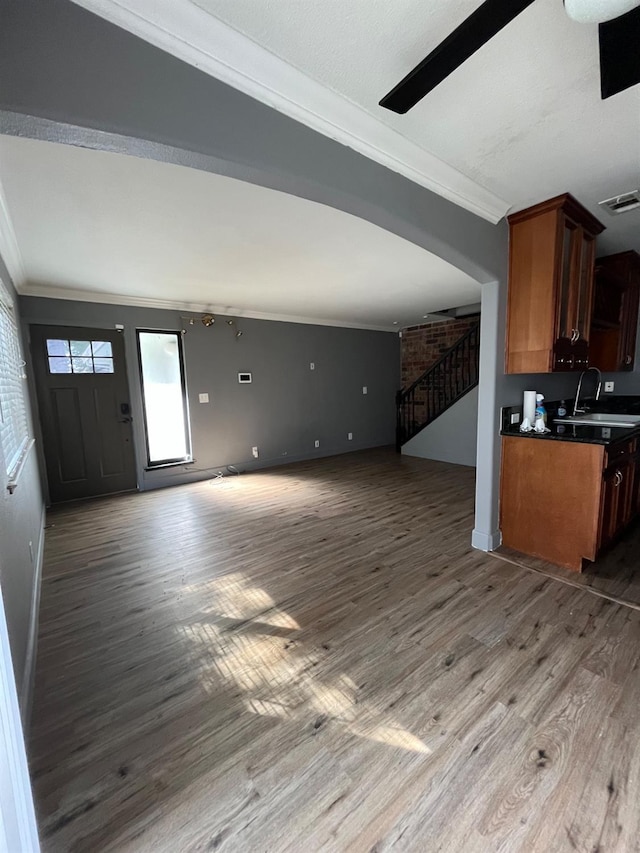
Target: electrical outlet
(312, 365)
(609, 386)
(254, 450)
(204, 398)
(364, 389)
(350, 436)
(515, 418)
(316, 443)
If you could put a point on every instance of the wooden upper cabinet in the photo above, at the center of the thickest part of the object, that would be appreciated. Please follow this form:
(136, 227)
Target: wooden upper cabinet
(614, 322)
(551, 263)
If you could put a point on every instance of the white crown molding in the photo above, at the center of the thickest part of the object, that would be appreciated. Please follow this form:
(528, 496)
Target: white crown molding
(9, 249)
(47, 291)
(189, 33)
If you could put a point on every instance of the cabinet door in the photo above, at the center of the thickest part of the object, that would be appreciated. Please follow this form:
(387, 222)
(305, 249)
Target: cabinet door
(584, 295)
(609, 508)
(629, 326)
(626, 508)
(635, 494)
(575, 291)
(617, 507)
(568, 284)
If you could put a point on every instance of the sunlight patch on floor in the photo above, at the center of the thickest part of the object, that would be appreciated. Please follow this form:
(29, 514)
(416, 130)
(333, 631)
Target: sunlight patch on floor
(247, 646)
(234, 598)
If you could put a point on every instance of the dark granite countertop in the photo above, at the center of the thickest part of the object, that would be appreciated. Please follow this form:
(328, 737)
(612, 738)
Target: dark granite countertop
(627, 405)
(573, 432)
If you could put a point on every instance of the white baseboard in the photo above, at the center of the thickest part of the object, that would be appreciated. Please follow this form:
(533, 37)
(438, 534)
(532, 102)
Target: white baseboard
(28, 677)
(486, 541)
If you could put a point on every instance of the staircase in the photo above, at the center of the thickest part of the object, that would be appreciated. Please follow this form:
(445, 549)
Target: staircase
(439, 387)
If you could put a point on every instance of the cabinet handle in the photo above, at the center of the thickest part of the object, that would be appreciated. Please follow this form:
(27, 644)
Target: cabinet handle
(628, 360)
(577, 334)
(618, 478)
(573, 336)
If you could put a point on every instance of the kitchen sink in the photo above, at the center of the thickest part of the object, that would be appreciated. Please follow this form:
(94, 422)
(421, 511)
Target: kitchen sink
(601, 419)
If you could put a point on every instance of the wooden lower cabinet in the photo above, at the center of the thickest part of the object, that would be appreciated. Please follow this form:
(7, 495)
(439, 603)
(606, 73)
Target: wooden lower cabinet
(635, 498)
(617, 508)
(564, 502)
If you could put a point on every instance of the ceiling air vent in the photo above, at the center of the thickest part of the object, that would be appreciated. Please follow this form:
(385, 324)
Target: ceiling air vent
(621, 203)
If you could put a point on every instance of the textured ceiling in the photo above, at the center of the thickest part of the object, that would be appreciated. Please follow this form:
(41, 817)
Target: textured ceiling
(522, 117)
(102, 223)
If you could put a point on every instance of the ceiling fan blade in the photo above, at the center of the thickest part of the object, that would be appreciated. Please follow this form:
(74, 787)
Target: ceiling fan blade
(619, 53)
(463, 42)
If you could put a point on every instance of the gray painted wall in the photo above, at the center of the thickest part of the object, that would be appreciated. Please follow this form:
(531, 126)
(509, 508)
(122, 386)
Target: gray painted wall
(284, 409)
(452, 437)
(625, 383)
(21, 540)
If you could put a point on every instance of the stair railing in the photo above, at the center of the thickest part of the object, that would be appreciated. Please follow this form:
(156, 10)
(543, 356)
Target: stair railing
(454, 374)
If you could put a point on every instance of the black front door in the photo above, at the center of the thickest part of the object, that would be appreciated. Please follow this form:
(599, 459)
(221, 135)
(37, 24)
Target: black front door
(83, 397)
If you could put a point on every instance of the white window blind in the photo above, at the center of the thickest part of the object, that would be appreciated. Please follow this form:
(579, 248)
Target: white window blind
(14, 431)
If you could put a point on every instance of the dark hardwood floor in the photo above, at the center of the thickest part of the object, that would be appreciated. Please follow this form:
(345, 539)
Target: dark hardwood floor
(615, 574)
(313, 658)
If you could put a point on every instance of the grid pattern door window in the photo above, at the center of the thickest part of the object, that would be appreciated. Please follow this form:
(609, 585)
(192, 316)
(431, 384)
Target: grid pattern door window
(14, 429)
(67, 356)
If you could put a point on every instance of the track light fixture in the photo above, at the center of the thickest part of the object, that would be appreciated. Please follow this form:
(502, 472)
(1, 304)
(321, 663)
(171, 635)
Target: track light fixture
(238, 332)
(208, 320)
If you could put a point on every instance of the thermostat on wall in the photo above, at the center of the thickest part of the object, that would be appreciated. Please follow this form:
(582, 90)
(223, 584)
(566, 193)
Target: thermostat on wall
(244, 378)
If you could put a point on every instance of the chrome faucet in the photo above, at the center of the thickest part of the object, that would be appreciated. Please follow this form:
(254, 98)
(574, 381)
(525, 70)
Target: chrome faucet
(576, 410)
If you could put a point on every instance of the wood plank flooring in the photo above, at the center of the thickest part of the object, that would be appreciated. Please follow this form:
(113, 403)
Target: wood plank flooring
(312, 658)
(615, 574)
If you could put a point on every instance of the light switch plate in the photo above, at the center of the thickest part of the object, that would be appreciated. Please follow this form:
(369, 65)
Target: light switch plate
(312, 365)
(515, 418)
(204, 398)
(364, 389)
(609, 386)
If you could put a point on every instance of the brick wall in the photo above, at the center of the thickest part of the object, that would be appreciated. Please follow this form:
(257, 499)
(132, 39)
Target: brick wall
(422, 346)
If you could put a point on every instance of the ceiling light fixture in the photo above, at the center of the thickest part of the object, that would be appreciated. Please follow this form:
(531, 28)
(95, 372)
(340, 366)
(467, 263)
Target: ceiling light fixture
(208, 320)
(238, 332)
(598, 11)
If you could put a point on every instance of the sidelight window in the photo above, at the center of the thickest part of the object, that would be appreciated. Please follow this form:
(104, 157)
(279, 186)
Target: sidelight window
(165, 397)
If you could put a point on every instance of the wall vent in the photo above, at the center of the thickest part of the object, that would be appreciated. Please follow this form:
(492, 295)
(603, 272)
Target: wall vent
(621, 203)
